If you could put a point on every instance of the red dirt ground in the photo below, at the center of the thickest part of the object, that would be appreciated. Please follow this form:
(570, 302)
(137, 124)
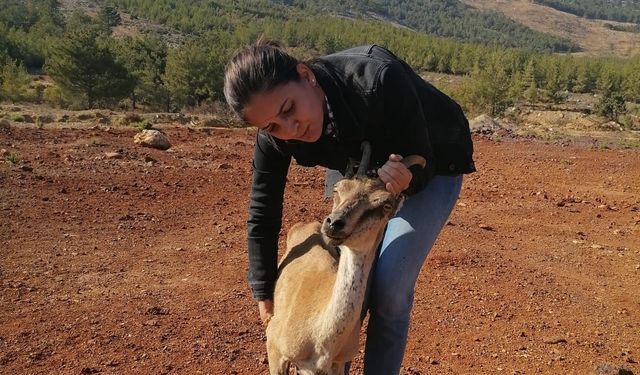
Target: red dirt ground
(137, 265)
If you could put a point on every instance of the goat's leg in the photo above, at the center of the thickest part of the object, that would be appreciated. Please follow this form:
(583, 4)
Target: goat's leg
(278, 365)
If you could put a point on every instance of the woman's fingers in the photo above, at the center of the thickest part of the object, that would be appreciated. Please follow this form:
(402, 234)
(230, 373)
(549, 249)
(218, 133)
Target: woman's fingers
(266, 310)
(395, 175)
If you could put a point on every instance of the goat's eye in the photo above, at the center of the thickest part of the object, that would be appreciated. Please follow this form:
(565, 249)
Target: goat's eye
(388, 207)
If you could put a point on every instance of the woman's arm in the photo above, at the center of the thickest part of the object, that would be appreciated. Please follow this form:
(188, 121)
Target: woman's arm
(270, 168)
(406, 128)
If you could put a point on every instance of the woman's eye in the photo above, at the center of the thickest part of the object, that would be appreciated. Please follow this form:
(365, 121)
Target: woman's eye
(289, 109)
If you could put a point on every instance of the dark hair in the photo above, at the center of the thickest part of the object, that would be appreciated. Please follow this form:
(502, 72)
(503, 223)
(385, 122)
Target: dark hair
(258, 68)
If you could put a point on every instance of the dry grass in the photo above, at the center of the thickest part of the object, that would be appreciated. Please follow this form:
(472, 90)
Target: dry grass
(592, 35)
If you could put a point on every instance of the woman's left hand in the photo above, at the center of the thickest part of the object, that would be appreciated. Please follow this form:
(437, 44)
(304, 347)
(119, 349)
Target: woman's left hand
(395, 175)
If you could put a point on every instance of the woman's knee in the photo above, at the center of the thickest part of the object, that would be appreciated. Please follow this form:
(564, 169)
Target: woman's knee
(391, 303)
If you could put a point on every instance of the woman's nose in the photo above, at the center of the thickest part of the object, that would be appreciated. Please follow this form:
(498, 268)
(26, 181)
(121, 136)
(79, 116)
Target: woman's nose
(292, 127)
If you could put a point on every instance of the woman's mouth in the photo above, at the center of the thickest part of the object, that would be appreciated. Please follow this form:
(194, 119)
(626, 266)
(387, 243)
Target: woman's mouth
(304, 133)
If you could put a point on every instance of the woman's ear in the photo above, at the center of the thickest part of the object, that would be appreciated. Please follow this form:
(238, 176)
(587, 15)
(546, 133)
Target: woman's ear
(306, 73)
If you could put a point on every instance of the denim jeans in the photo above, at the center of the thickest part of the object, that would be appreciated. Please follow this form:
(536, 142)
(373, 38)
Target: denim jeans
(408, 239)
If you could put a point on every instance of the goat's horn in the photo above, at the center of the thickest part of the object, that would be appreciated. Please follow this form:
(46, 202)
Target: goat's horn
(366, 158)
(349, 171)
(412, 160)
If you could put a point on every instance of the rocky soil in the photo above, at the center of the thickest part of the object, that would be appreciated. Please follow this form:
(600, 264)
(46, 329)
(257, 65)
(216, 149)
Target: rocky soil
(120, 259)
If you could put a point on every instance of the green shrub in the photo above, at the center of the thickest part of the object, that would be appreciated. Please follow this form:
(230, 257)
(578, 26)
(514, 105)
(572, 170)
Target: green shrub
(142, 125)
(53, 95)
(12, 158)
(16, 117)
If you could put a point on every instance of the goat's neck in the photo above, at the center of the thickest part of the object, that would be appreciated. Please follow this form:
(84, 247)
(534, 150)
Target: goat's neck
(348, 293)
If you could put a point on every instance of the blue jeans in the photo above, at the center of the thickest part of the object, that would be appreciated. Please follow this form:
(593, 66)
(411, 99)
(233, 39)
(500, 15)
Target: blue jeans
(408, 239)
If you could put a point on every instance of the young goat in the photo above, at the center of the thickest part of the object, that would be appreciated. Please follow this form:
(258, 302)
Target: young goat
(323, 278)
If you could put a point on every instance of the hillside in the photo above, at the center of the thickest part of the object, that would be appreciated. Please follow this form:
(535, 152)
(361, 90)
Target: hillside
(593, 37)
(617, 10)
(446, 18)
(520, 23)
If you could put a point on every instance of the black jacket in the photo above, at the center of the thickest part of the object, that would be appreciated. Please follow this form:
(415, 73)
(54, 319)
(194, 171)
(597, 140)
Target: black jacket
(374, 96)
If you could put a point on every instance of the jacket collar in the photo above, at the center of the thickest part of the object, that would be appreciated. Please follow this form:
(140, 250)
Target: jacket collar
(347, 125)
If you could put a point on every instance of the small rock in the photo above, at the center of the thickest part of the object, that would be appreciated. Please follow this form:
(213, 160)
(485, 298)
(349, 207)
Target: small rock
(113, 155)
(484, 124)
(5, 124)
(607, 369)
(157, 311)
(152, 323)
(486, 227)
(555, 340)
(89, 370)
(26, 168)
(225, 166)
(611, 125)
(152, 138)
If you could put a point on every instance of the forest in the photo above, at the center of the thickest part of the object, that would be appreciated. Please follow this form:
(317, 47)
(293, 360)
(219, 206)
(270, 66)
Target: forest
(447, 18)
(76, 62)
(614, 10)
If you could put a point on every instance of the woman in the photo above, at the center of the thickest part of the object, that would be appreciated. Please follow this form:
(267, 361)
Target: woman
(319, 112)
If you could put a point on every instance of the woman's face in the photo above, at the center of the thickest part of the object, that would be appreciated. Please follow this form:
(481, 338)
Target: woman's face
(292, 111)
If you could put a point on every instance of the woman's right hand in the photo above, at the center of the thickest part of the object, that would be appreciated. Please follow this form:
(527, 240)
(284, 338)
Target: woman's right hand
(266, 310)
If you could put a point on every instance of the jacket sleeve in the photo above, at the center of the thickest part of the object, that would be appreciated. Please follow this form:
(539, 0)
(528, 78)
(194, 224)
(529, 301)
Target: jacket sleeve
(405, 122)
(270, 167)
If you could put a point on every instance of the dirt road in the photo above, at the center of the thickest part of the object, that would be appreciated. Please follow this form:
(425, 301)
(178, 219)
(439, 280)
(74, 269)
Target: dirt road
(135, 262)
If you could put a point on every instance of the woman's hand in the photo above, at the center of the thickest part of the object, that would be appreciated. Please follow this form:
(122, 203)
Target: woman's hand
(266, 310)
(395, 175)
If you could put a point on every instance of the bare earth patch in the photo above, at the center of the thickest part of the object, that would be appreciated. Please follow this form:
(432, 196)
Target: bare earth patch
(137, 263)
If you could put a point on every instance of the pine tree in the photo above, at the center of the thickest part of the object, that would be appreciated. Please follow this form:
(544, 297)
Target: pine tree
(609, 79)
(145, 59)
(553, 89)
(631, 82)
(530, 82)
(489, 87)
(83, 66)
(585, 77)
(611, 105)
(195, 71)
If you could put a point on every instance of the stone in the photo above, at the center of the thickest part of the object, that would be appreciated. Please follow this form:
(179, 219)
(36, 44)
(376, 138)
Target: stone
(484, 124)
(152, 138)
(555, 340)
(113, 155)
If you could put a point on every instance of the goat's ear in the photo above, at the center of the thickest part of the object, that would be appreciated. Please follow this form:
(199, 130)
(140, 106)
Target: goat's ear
(412, 160)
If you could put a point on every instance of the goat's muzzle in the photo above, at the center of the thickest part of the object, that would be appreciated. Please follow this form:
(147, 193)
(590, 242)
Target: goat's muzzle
(333, 229)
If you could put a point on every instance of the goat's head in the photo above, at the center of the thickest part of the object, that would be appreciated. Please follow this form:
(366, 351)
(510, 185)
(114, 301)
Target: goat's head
(362, 207)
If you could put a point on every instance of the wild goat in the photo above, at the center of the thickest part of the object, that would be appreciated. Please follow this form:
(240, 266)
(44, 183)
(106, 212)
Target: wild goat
(323, 277)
